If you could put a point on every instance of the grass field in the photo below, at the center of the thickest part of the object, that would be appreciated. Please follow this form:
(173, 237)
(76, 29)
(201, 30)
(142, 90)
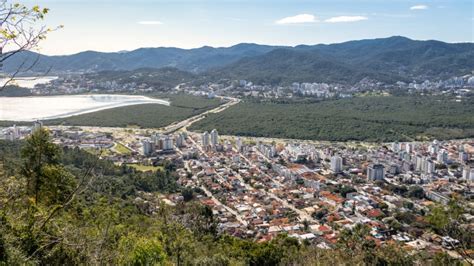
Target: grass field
(366, 119)
(145, 168)
(120, 148)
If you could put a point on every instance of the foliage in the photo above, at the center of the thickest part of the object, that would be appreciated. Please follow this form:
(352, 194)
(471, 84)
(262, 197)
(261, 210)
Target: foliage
(387, 60)
(367, 118)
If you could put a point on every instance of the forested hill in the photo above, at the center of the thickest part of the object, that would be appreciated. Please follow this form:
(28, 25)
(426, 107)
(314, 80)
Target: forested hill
(390, 59)
(387, 59)
(192, 60)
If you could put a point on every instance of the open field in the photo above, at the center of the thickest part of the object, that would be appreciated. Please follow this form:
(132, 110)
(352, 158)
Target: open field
(365, 119)
(145, 168)
(120, 148)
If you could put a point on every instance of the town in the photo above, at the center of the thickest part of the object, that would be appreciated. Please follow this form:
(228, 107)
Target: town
(86, 83)
(311, 190)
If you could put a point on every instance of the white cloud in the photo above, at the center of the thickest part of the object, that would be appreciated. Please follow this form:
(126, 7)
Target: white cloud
(346, 19)
(298, 19)
(419, 7)
(150, 22)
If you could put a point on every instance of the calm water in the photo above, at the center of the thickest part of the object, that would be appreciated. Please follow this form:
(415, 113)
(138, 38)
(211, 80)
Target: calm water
(49, 107)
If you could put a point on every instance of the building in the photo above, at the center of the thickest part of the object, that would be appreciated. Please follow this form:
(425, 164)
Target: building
(238, 143)
(148, 148)
(167, 143)
(205, 139)
(428, 166)
(437, 197)
(336, 164)
(442, 156)
(408, 147)
(376, 172)
(214, 138)
(395, 147)
(36, 126)
(418, 163)
(179, 140)
(468, 173)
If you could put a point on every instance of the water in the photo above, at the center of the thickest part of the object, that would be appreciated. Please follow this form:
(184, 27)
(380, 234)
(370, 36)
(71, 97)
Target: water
(50, 107)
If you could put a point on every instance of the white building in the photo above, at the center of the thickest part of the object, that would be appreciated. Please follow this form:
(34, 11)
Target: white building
(336, 164)
(167, 143)
(442, 156)
(395, 147)
(214, 138)
(205, 139)
(238, 143)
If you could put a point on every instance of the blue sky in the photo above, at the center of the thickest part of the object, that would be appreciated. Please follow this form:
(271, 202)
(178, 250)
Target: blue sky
(115, 25)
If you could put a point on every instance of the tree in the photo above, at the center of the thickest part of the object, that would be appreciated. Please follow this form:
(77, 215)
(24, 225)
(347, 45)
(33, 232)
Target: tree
(46, 177)
(142, 251)
(187, 194)
(19, 31)
(356, 243)
(416, 192)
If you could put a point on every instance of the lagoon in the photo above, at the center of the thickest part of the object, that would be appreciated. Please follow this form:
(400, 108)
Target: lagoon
(51, 107)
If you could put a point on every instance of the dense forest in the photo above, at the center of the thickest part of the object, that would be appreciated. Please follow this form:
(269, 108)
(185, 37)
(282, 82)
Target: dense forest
(62, 206)
(363, 119)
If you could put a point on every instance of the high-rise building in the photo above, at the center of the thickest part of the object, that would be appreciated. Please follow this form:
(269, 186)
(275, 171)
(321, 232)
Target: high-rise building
(179, 140)
(336, 164)
(463, 156)
(395, 147)
(376, 172)
(409, 147)
(148, 147)
(36, 126)
(418, 163)
(428, 166)
(442, 156)
(167, 143)
(228, 146)
(205, 139)
(238, 143)
(214, 138)
(466, 172)
(16, 132)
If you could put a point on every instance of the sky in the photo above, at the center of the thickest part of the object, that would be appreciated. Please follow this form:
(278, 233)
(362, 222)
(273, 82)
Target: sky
(118, 25)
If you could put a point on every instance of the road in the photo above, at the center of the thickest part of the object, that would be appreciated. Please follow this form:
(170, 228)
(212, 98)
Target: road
(188, 122)
(215, 200)
(302, 215)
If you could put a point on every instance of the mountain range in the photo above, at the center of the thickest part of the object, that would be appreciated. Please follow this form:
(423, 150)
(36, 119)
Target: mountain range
(385, 59)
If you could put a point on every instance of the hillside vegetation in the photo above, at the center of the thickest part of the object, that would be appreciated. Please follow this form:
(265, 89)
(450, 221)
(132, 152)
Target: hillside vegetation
(364, 119)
